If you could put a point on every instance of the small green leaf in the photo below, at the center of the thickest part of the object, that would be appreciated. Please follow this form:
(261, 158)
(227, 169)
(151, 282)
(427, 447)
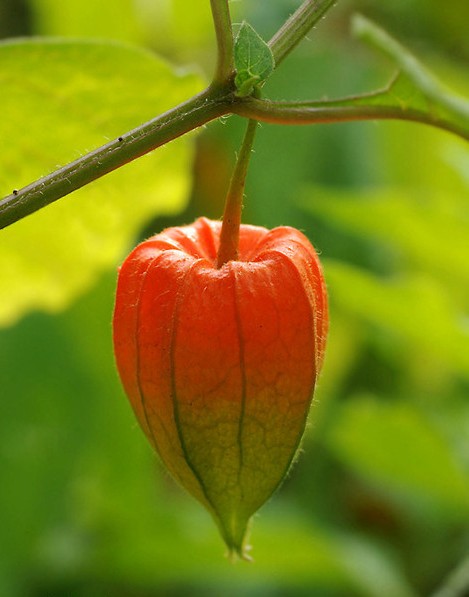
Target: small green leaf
(254, 60)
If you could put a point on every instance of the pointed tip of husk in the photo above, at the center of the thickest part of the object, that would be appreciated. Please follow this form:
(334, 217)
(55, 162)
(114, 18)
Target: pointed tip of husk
(236, 553)
(236, 540)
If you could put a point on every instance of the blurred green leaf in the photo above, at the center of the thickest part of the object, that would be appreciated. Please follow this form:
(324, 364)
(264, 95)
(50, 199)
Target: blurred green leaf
(71, 97)
(414, 309)
(424, 228)
(415, 226)
(185, 31)
(373, 570)
(117, 19)
(169, 27)
(395, 447)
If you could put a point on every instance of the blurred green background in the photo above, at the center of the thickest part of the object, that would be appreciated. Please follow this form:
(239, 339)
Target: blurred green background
(378, 503)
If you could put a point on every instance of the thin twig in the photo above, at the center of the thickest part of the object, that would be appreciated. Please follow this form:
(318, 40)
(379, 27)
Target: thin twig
(224, 35)
(297, 27)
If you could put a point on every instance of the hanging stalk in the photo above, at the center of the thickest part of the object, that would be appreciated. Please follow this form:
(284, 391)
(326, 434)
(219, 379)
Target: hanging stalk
(229, 238)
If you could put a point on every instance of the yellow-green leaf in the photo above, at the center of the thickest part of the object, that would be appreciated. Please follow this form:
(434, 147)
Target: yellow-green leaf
(58, 100)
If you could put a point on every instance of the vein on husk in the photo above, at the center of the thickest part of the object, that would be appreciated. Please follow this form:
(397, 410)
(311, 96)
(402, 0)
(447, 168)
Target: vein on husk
(181, 294)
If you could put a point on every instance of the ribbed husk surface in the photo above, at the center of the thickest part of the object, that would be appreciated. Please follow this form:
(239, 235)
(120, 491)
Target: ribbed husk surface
(220, 364)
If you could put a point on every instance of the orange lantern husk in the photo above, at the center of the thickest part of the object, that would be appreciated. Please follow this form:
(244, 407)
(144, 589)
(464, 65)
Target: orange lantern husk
(220, 364)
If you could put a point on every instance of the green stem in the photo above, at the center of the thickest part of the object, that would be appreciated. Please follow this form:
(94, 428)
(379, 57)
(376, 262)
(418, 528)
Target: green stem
(202, 108)
(289, 113)
(297, 27)
(229, 236)
(225, 45)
